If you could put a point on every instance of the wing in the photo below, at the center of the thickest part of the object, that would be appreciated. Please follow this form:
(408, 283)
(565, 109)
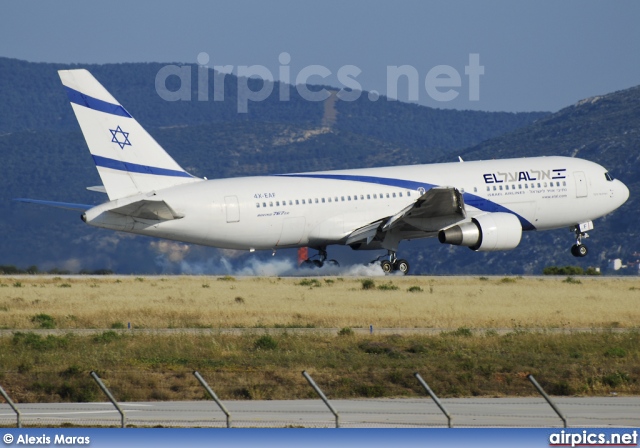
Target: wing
(438, 208)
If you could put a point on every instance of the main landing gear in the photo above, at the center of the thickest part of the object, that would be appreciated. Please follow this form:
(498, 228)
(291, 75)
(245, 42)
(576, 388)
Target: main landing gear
(319, 260)
(390, 263)
(579, 249)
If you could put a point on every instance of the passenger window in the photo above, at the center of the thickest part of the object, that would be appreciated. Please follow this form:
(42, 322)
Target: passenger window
(475, 189)
(349, 197)
(394, 195)
(400, 194)
(500, 187)
(303, 202)
(316, 200)
(368, 196)
(375, 196)
(342, 197)
(290, 202)
(270, 204)
(539, 186)
(408, 193)
(488, 188)
(323, 200)
(277, 203)
(257, 204)
(297, 202)
(329, 199)
(264, 204)
(355, 198)
(362, 197)
(387, 195)
(564, 183)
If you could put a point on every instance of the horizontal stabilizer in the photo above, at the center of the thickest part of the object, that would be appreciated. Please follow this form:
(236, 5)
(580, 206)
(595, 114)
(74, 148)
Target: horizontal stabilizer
(145, 209)
(64, 205)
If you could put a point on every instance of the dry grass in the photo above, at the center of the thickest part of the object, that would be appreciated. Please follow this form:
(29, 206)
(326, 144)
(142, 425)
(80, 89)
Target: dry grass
(141, 367)
(225, 302)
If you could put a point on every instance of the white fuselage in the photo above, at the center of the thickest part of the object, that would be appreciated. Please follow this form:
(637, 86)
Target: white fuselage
(323, 208)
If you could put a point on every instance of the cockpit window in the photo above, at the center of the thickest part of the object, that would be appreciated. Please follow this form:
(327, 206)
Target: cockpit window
(608, 176)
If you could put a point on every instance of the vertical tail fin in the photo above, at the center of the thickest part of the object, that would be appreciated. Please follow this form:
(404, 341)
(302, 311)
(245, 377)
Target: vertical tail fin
(128, 159)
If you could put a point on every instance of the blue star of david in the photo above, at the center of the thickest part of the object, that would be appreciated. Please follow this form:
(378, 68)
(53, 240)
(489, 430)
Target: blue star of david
(125, 136)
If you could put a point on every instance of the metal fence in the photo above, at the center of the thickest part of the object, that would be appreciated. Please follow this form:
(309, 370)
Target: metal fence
(428, 411)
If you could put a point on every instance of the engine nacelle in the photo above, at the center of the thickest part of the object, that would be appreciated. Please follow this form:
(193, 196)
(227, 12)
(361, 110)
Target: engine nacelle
(489, 232)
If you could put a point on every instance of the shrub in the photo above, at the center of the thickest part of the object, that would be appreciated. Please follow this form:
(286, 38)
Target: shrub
(571, 280)
(265, 342)
(563, 270)
(311, 282)
(615, 379)
(44, 321)
(118, 325)
(106, 337)
(346, 331)
(36, 342)
(368, 284)
(615, 352)
(388, 287)
(415, 289)
(226, 278)
(460, 332)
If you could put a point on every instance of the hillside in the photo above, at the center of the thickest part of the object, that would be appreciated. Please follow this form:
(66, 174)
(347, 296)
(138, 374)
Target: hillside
(44, 156)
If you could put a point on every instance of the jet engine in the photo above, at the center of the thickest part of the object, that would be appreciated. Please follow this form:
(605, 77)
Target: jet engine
(489, 232)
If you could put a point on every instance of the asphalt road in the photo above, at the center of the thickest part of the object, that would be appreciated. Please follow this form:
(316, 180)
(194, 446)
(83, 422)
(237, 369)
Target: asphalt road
(378, 413)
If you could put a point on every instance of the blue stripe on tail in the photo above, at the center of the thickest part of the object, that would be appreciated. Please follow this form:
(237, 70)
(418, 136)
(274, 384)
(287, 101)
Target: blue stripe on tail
(135, 168)
(96, 104)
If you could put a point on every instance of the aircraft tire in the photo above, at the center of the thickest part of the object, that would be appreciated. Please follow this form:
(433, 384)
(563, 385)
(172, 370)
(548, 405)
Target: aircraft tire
(582, 250)
(386, 266)
(402, 266)
(579, 250)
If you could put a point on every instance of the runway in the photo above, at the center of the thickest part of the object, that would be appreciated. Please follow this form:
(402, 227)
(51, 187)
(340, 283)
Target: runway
(373, 413)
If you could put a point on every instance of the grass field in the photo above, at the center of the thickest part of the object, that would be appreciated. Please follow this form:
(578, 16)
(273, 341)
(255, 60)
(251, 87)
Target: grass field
(467, 358)
(393, 302)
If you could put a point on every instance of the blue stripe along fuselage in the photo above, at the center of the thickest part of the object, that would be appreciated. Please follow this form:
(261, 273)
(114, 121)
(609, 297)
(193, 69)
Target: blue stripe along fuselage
(135, 168)
(471, 199)
(96, 104)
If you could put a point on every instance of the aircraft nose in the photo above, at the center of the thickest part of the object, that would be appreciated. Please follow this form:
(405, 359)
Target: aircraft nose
(622, 192)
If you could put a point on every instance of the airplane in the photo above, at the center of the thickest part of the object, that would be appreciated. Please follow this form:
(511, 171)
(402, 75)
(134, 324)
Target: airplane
(483, 205)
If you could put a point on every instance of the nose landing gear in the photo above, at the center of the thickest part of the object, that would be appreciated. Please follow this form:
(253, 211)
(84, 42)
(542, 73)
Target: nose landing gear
(579, 249)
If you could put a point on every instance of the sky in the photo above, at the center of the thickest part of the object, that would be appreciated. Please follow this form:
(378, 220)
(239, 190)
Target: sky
(492, 55)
